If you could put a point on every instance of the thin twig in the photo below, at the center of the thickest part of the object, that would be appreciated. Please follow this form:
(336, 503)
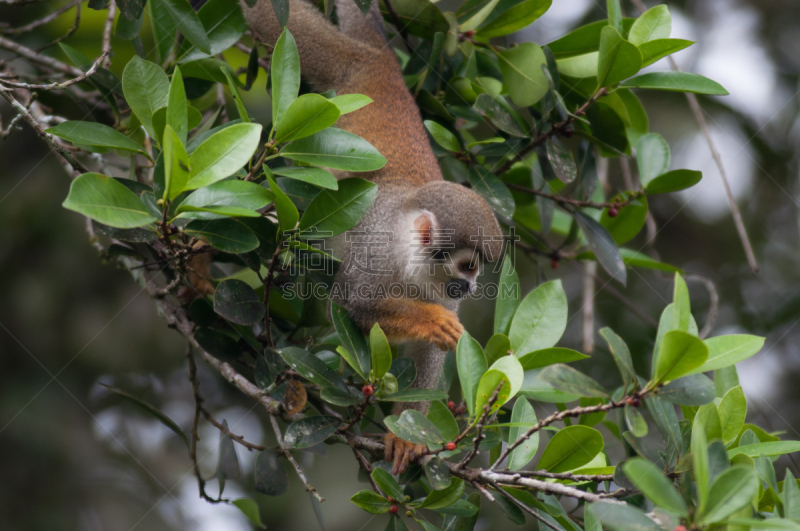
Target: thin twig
(42, 21)
(37, 57)
(236, 438)
(713, 304)
(562, 475)
(632, 196)
(366, 467)
(288, 455)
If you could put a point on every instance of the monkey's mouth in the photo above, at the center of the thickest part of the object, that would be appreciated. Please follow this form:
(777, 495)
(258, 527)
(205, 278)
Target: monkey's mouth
(458, 288)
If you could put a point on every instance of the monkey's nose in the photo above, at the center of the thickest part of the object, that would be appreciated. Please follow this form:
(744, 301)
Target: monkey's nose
(457, 288)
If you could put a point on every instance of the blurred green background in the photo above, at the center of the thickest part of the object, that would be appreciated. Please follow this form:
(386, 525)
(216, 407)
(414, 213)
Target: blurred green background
(70, 459)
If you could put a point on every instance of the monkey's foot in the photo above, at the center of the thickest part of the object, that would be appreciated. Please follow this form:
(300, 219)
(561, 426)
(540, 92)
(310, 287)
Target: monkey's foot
(401, 452)
(443, 329)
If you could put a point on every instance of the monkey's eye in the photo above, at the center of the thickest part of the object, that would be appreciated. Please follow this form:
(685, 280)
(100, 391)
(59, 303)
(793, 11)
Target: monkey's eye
(467, 267)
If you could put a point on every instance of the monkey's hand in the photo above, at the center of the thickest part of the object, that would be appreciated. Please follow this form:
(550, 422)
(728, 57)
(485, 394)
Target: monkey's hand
(401, 452)
(426, 321)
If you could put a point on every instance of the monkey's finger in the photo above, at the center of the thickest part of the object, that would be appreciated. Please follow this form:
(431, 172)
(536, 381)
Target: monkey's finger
(406, 456)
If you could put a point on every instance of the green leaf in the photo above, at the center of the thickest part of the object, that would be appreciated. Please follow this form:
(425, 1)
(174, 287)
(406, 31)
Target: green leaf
(584, 39)
(572, 381)
(707, 419)
(635, 421)
(352, 339)
(679, 354)
(506, 369)
(681, 308)
(732, 413)
(308, 114)
(285, 72)
(677, 82)
(224, 23)
(107, 201)
(371, 502)
(163, 29)
(337, 149)
(652, 156)
(603, 246)
(188, 23)
(237, 302)
(96, 135)
(614, 15)
(443, 419)
(473, 14)
(146, 89)
(571, 448)
(222, 154)
(507, 297)
(523, 412)
(380, 352)
(618, 59)
(655, 23)
(309, 431)
(521, 67)
(177, 114)
(621, 354)
(622, 517)
(693, 390)
(419, 17)
(498, 112)
(287, 212)
(438, 474)
(540, 320)
(443, 136)
(702, 477)
(210, 69)
(270, 476)
(471, 363)
(492, 189)
(150, 410)
(312, 368)
(228, 461)
(657, 49)
(311, 175)
(791, 497)
(387, 483)
(225, 199)
(332, 212)
(627, 223)
(767, 449)
(515, 18)
(128, 29)
(437, 499)
(233, 80)
(561, 161)
(414, 427)
(673, 181)
(724, 351)
(177, 165)
(250, 510)
(227, 235)
(415, 395)
(649, 479)
(548, 356)
(350, 102)
(731, 491)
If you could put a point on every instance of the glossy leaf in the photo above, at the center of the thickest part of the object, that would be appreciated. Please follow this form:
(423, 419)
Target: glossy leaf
(387, 483)
(227, 235)
(311, 175)
(224, 24)
(603, 246)
(437, 499)
(287, 212)
(491, 188)
(228, 463)
(627, 223)
(571, 448)
(146, 89)
(414, 427)
(352, 339)
(309, 431)
(655, 23)
(618, 59)
(177, 115)
(442, 136)
(677, 82)
(521, 67)
(308, 114)
(472, 365)
(732, 413)
(657, 49)
(652, 156)
(270, 476)
(506, 369)
(693, 390)
(731, 490)
(767, 449)
(548, 356)
(523, 412)
(415, 395)
(680, 353)
(222, 154)
(673, 181)
(622, 517)
(649, 479)
(332, 212)
(107, 201)
(188, 23)
(443, 419)
(707, 419)
(380, 351)
(225, 198)
(237, 302)
(699, 447)
(233, 81)
(498, 114)
(348, 103)
(312, 368)
(561, 161)
(572, 381)
(540, 320)
(507, 298)
(635, 422)
(515, 18)
(337, 149)
(371, 502)
(285, 75)
(419, 17)
(96, 135)
(724, 351)
(250, 509)
(622, 355)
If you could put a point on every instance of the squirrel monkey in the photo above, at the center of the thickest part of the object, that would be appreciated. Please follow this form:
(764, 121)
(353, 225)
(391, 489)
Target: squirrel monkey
(424, 238)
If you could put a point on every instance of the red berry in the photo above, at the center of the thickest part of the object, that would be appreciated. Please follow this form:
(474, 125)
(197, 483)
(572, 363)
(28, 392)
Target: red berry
(451, 405)
(680, 528)
(612, 212)
(469, 33)
(450, 446)
(390, 499)
(367, 390)
(635, 401)
(393, 509)
(555, 263)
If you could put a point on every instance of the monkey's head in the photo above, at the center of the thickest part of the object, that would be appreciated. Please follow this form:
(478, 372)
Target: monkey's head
(454, 232)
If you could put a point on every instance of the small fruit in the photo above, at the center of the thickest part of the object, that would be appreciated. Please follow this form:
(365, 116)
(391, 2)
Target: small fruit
(450, 446)
(409, 514)
(680, 528)
(367, 390)
(612, 212)
(394, 508)
(390, 499)
(407, 498)
(555, 263)
(635, 401)
(451, 405)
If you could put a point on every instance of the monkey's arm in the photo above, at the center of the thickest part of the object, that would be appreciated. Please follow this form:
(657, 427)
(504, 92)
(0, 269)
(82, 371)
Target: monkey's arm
(409, 320)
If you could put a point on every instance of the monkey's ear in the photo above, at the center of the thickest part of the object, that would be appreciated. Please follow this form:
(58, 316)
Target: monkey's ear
(425, 226)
